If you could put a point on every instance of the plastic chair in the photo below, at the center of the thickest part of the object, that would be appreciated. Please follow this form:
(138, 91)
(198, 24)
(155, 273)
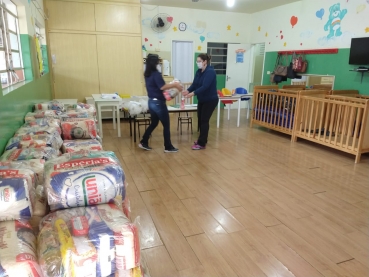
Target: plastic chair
(244, 91)
(226, 102)
(226, 92)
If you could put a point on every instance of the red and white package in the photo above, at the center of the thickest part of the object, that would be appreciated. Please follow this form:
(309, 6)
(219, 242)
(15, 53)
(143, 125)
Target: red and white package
(80, 226)
(84, 129)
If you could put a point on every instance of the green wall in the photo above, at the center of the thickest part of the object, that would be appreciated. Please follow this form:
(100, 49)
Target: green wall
(331, 64)
(26, 41)
(15, 105)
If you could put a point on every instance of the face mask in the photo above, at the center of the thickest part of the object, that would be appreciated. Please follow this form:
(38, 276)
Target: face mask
(199, 65)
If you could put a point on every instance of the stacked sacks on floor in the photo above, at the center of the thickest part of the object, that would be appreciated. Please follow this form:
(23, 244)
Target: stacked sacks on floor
(87, 234)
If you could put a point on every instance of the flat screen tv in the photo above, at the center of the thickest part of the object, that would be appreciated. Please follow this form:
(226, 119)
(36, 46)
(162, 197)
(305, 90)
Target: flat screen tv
(359, 52)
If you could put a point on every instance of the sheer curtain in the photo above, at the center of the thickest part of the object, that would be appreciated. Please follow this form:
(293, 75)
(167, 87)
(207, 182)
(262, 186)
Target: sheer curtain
(182, 61)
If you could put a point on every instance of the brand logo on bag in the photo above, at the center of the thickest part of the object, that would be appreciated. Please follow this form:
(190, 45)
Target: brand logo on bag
(82, 163)
(6, 194)
(8, 172)
(91, 191)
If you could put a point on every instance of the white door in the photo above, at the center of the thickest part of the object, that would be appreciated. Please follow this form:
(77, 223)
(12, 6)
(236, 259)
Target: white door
(182, 61)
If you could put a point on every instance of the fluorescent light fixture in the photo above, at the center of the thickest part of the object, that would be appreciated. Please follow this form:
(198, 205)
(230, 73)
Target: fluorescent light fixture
(230, 3)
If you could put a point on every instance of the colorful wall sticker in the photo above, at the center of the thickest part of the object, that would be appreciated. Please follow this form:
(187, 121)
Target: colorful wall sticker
(320, 14)
(229, 27)
(294, 20)
(360, 8)
(240, 53)
(333, 25)
(202, 38)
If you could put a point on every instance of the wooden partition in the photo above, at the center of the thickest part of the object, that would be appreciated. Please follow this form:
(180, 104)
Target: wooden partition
(295, 87)
(346, 92)
(276, 109)
(336, 121)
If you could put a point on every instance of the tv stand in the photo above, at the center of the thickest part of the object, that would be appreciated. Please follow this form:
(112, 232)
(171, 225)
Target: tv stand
(362, 70)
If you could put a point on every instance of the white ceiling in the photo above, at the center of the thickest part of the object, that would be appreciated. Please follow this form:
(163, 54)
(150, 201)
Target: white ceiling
(241, 6)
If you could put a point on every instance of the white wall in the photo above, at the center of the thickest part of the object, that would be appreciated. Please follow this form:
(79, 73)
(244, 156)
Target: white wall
(269, 26)
(202, 27)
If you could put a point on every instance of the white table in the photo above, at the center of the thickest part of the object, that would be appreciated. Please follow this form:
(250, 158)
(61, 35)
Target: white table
(235, 98)
(188, 108)
(104, 102)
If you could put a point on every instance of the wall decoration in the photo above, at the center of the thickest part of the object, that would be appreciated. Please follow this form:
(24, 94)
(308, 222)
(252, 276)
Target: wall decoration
(175, 29)
(259, 28)
(285, 44)
(150, 44)
(229, 27)
(202, 38)
(320, 14)
(360, 8)
(146, 21)
(144, 48)
(160, 35)
(266, 34)
(293, 20)
(182, 26)
(282, 37)
(146, 39)
(333, 25)
(199, 47)
(301, 43)
(237, 34)
(213, 35)
(170, 19)
(306, 34)
(240, 53)
(367, 28)
(201, 24)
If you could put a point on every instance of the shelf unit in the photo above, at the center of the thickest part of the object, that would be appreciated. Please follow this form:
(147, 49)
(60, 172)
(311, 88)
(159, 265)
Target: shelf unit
(362, 71)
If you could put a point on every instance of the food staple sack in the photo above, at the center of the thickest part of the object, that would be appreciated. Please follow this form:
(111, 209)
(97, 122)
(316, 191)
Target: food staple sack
(41, 114)
(80, 129)
(35, 165)
(45, 153)
(35, 141)
(88, 242)
(18, 250)
(70, 146)
(51, 122)
(38, 130)
(51, 105)
(83, 178)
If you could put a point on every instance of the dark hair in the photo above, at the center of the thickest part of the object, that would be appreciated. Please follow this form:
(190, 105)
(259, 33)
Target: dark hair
(151, 64)
(204, 57)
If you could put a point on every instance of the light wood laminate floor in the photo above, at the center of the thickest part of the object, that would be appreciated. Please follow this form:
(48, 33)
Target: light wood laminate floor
(251, 204)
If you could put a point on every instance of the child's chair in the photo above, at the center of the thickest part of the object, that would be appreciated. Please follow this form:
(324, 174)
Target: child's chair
(226, 92)
(226, 102)
(244, 91)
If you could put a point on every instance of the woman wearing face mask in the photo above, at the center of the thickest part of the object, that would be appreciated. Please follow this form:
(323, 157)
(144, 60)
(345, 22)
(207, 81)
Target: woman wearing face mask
(155, 86)
(204, 86)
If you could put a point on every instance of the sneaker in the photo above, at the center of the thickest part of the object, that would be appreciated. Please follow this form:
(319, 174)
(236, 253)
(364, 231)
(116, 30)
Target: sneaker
(198, 147)
(171, 150)
(144, 146)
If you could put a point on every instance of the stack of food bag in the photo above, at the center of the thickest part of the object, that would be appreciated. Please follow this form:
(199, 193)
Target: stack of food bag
(50, 105)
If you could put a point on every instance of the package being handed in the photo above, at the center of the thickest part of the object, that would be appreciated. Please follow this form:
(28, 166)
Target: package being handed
(85, 129)
(50, 105)
(35, 165)
(35, 141)
(83, 179)
(29, 153)
(70, 146)
(88, 241)
(18, 250)
(173, 92)
(37, 130)
(41, 114)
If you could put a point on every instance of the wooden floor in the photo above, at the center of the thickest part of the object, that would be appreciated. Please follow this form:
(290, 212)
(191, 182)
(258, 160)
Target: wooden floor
(251, 204)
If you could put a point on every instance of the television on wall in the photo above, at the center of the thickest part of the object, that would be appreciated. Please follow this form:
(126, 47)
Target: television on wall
(359, 51)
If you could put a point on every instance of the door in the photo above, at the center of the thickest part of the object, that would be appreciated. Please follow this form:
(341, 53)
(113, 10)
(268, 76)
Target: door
(182, 58)
(74, 65)
(238, 66)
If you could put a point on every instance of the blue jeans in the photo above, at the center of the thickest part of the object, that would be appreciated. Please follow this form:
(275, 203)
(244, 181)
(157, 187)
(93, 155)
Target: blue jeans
(159, 112)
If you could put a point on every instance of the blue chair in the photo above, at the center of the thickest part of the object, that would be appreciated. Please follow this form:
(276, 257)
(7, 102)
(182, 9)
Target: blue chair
(244, 91)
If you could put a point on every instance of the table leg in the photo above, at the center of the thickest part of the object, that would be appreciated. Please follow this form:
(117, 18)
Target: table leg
(218, 115)
(100, 120)
(114, 126)
(118, 121)
(134, 129)
(239, 111)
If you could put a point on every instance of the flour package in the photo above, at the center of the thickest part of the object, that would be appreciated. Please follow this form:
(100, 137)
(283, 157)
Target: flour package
(41, 114)
(80, 129)
(45, 153)
(81, 107)
(83, 179)
(18, 250)
(35, 141)
(42, 122)
(50, 105)
(87, 242)
(18, 167)
(38, 130)
(70, 146)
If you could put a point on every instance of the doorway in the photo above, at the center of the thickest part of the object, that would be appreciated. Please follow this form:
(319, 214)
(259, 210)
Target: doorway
(182, 61)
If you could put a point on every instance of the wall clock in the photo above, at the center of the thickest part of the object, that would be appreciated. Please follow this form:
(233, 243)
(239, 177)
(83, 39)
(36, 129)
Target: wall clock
(182, 26)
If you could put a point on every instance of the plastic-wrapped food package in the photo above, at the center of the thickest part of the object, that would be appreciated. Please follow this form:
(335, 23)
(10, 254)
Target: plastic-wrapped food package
(18, 250)
(51, 122)
(40, 206)
(37, 130)
(29, 153)
(16, 198)
(82, 107)
(50, 105)
(88, 242)
(41, 114)
(85, 129)
(8, 171)
(70, 146)
(35, 141)
(36, 165)
(83, 178)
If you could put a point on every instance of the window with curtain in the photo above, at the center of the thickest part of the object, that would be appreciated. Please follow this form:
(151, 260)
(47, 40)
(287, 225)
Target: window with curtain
(38, 37)
(11, 64)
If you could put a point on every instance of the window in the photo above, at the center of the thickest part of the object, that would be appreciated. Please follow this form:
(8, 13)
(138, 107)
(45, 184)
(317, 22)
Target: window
(11, 64)
(40, 60)
(218, 52)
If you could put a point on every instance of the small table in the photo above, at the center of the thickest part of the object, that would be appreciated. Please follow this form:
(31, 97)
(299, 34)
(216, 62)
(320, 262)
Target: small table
(235, 98)
(104, 102)
(177, 109)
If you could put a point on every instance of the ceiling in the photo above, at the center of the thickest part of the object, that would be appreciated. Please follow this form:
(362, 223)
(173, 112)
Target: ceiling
(241, 6)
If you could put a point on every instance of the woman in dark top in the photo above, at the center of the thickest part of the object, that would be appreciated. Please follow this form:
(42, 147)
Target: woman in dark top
(204, 86)
(155, 86)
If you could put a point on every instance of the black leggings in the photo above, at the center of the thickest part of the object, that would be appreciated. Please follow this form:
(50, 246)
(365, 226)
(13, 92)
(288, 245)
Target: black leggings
(204, 112)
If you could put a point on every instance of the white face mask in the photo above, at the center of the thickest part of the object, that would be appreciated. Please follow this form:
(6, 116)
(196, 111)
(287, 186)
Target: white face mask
(199, 65)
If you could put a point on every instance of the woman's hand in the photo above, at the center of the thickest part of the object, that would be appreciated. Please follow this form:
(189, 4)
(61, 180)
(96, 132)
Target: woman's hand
(178, 86)
(189, 95)
(185, 92)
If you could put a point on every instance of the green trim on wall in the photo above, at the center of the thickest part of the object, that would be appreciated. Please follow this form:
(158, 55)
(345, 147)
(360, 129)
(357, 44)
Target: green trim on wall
(26, 56)
(45, 58)
(326, 64)
(15, 105)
